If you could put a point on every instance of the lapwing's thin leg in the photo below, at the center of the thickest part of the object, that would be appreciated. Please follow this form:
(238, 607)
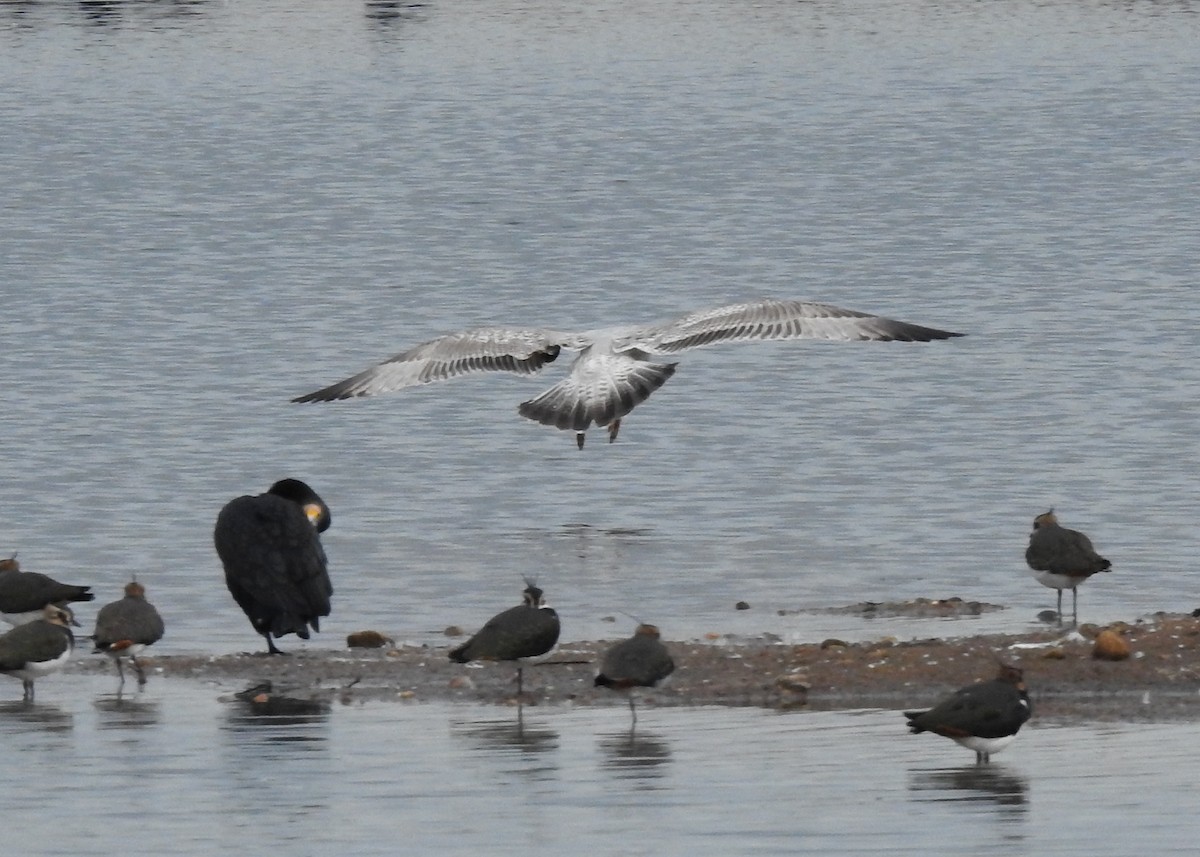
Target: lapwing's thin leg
(120, 674)
(138, 669)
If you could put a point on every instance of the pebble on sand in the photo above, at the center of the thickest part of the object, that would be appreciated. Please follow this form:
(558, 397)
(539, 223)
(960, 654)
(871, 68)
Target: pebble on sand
(368, 640)
(1110, 646)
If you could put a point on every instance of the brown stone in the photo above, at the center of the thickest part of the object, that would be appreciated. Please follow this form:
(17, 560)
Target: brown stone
(1110, 646)
(368, 640)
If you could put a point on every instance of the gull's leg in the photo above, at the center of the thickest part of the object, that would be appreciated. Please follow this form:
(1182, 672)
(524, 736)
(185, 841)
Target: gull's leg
(613, 428)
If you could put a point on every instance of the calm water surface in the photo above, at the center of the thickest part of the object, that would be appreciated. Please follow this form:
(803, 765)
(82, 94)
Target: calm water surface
(177, 771)
(211, 207)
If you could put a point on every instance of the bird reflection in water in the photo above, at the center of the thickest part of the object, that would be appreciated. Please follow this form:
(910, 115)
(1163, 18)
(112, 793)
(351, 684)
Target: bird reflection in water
(530, 748)
(509, 735)
(635, 755)
(600, 547)
(123, 711)
(274, 716)
(973, 783)
(28, 716)
(387, 12)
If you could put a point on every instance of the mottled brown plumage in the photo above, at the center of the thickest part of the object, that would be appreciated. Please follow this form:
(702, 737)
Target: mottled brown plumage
(125, 628)
(640, 661)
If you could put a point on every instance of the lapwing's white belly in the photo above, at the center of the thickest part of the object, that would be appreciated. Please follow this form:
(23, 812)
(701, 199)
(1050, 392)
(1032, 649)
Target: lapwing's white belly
(25, 618)
(986, 745)
(1057, 581)
(36, 669)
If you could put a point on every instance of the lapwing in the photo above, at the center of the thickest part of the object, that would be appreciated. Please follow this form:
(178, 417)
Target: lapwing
(275, 567)
(618, 367)
(38, 648)
(23, 594)
(1062, 559)
(983, 717)
(640, 661)
(522, 634)
(125, 628)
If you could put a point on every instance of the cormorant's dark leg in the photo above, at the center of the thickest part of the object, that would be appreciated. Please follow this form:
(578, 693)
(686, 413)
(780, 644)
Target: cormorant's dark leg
(28, 686)
(580, 437)
(271, 649)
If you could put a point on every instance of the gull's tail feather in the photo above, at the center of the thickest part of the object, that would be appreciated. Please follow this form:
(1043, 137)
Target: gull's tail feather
(572, 405)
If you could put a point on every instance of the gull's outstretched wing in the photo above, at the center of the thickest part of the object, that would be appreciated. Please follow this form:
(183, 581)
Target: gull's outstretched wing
(486, 349)
(772, 320)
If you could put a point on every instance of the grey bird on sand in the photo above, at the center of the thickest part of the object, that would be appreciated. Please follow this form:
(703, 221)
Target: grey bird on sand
(640, 661)
(1062, 559)
(38, 648)
(125, 628)
(522, 634)
(23, 594)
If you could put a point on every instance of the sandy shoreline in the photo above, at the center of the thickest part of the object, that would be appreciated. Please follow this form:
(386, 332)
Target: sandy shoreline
(1159, 681)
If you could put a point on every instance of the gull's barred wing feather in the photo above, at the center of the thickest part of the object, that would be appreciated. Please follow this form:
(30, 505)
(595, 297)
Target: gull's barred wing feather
(774, 320)
(522, 351)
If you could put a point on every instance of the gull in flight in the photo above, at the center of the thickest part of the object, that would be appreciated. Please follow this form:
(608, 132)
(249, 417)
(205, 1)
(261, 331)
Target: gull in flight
(618, 367)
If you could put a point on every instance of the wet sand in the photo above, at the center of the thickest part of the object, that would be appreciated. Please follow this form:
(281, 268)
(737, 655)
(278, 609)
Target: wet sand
(1158, 681)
